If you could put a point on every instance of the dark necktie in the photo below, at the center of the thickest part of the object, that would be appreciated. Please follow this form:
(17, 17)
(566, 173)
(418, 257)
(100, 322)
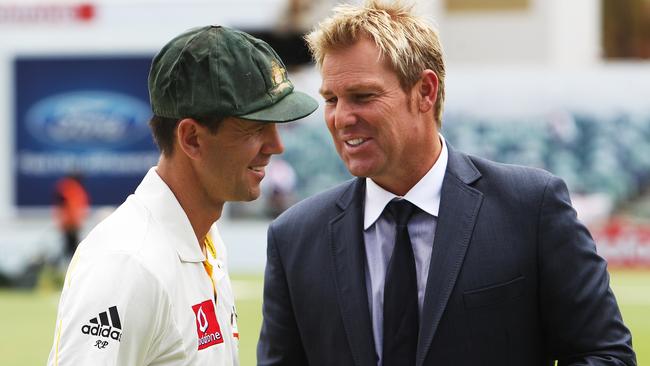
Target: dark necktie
(400, 293)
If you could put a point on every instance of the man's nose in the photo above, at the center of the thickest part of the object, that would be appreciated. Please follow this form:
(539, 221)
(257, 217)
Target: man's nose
(273, 143)
(344, 115)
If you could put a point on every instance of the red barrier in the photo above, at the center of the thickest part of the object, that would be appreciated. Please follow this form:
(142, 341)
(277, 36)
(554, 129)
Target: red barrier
(624, 242)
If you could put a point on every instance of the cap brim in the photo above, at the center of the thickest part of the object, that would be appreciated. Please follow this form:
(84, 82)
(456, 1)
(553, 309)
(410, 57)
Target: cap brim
(290, 108)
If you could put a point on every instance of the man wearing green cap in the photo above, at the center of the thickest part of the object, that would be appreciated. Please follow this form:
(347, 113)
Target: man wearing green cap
(149, 285)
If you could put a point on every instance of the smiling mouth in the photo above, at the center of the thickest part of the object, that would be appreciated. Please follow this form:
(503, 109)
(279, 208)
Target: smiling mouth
(258, 169)
(355, 142)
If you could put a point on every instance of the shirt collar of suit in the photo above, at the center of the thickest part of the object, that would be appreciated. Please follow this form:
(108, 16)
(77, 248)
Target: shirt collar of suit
(425, 194)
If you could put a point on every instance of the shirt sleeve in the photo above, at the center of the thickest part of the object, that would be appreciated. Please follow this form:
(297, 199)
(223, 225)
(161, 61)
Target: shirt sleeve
(112, 311)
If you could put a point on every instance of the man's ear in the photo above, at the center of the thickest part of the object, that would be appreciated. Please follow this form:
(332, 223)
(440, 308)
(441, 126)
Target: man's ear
(427, 89)
(187, 137)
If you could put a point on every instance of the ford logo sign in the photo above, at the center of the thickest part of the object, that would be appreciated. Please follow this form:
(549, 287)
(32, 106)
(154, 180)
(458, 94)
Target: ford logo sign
(88, 119)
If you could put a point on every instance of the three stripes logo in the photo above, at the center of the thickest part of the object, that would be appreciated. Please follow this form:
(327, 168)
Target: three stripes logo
(104, 328)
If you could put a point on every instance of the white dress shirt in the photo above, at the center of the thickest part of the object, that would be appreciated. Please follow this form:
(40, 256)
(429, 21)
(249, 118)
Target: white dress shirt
(379, 234)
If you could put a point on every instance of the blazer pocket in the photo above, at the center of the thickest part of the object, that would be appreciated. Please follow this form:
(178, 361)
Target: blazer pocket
(494, 294)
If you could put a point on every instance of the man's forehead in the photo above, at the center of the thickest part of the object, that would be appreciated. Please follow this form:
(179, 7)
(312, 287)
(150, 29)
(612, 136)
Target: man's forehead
(245, 124)
(357, 67)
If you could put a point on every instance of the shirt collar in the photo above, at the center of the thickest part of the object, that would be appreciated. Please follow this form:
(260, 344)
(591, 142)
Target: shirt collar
(164, 208)
(425, 194)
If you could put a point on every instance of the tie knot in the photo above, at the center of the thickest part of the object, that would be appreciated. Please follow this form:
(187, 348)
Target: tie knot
(401, 211)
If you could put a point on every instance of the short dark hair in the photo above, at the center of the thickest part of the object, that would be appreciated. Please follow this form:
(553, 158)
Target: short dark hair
(163, 130)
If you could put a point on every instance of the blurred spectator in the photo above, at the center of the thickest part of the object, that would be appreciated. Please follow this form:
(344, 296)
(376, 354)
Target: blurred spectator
(70, 210)
(279, 186)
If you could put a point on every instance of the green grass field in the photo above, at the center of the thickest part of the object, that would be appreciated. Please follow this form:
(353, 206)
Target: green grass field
(27, 318)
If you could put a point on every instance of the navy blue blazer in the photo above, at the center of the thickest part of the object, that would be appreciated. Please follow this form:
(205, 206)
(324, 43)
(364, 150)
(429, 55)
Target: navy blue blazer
(514, 278)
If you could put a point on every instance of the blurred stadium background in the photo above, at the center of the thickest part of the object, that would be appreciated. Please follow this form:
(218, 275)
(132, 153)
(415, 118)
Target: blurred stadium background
(561, 85)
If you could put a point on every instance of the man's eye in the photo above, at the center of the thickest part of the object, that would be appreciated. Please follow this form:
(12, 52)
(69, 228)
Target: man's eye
(331, 100)
(257, 129)
(364, 97)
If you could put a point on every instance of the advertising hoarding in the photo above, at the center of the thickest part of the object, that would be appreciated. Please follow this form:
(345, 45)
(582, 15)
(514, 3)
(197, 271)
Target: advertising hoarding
(84, 115)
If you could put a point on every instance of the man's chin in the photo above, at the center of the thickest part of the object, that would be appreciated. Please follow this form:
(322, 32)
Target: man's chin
(253, 195)
(249, 196)
(360, 172)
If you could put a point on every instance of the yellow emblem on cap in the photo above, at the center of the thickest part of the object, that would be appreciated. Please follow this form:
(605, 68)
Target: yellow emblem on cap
(279, 78)
(278, 73)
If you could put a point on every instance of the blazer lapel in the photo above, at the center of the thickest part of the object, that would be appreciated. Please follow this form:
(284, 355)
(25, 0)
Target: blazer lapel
(348, 253)
(459, 207)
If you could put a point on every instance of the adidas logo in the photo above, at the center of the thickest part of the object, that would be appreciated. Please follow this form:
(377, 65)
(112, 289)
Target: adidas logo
(102, 327)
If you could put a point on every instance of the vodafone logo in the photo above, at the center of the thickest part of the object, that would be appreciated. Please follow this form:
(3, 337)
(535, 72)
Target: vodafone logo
(207, 326)
(202, 320)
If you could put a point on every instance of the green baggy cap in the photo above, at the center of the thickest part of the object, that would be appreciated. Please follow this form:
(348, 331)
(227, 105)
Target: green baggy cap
(222, 72)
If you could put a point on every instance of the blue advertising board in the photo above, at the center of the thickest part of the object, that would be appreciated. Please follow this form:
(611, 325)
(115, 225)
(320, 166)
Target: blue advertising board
(84, 115)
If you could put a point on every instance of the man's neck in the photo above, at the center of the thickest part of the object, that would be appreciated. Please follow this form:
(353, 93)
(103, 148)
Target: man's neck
(181, 180)
(401, 185)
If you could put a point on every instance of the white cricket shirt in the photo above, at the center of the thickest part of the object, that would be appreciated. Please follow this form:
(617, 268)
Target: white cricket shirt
(137, 293)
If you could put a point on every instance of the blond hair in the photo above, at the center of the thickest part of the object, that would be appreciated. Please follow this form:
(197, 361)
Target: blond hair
(407, 42)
